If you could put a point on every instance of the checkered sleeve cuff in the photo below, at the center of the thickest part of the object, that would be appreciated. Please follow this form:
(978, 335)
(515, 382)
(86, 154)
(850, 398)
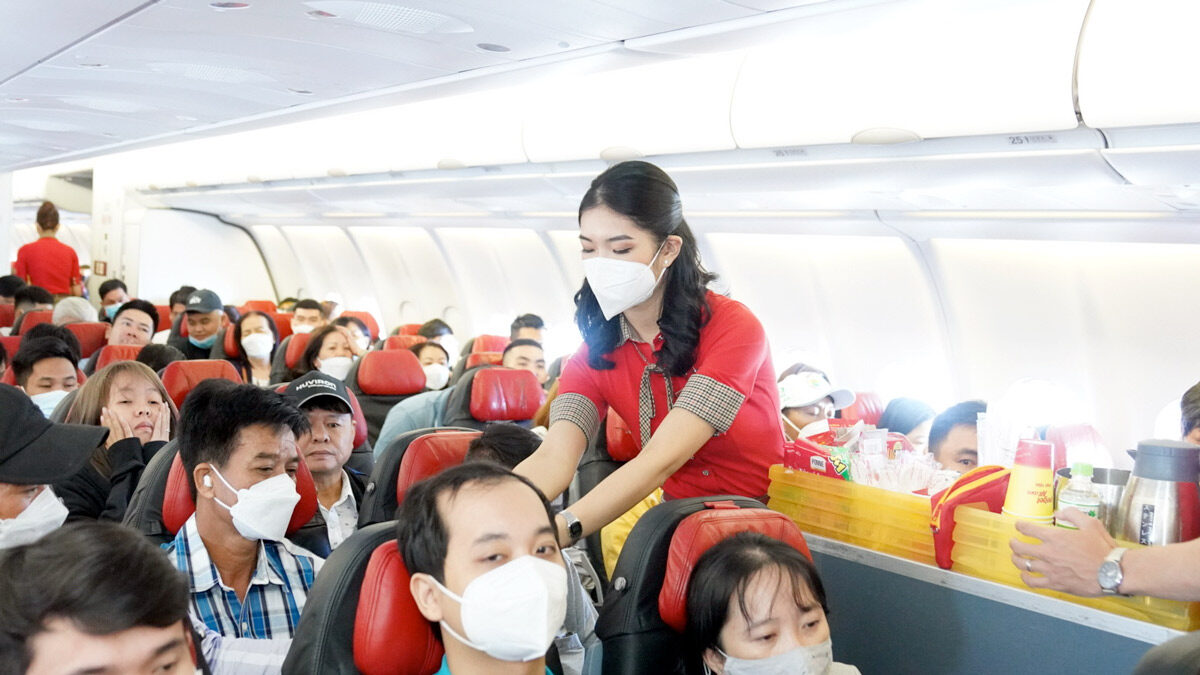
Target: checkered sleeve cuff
(711, 401)
(577, 409)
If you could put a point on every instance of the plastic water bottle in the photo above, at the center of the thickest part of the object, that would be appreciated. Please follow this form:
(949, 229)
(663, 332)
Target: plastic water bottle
(1079, 493)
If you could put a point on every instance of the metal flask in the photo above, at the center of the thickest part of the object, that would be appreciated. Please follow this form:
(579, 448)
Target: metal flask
(1161, 503)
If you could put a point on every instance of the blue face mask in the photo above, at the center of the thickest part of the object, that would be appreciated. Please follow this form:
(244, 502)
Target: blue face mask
(111, 311)
(206, 343)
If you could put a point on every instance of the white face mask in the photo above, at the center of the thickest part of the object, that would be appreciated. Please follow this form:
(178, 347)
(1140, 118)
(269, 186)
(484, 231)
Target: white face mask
(436, 375)
(337, 366)
(620, 284)
(258, 345)
(47, 401)
(364, 343)
(43, 515)
(813, 660)
(513, 612)
(302, 327)
(264, 509)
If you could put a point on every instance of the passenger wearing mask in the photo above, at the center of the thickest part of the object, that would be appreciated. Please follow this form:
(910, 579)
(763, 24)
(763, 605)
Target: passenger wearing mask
(205, 315)
(330, 350)
(132, 324)
(259, 338)
(46, 369)
(435, 361)
(177, 304)
(327, 448)
(308, 316)
(28, 299)
(72, 310)
(436, 330)
(953, 438)
(236, 443)
(35, 453)
(113, 294)
(360, 334)
(910, 417)
(9, 284)
(48, 262)
(756, 605)
(480, 544)
(689, 369)
(129, 400)
(807, 398)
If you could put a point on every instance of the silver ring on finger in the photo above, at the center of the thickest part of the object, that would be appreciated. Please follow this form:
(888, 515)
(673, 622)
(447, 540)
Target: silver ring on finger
(1029, 565)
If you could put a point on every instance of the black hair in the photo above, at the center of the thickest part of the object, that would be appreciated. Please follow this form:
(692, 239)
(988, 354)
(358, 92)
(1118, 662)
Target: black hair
(525, 321)
(39, 349)
(308, 359)
(101, 577)
(3, 355)
(902, 415)
(525, 342)
(504, 443)
(29, 295)
(9, 284)
(232, 313)
(646, 195)
(959, 414)
(49, 330)
(309, 303)
(47, 216)
(420, 532)
(434, 328)
(111, 285)
(242, 361)
(725, 571)
(180, 296)
(216, 410)
(158, 357)
(141, 306)
(345, 321)
(1189, 409)
(420, 346)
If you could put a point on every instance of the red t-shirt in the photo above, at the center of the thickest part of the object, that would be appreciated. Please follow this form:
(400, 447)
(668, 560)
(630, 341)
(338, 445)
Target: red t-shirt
(731, 386)
(48, 263)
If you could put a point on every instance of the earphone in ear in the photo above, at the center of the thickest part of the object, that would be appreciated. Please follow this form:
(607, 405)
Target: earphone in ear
(208, 481)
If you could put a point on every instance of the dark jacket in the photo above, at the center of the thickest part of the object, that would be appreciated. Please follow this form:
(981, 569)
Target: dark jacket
(90, 495)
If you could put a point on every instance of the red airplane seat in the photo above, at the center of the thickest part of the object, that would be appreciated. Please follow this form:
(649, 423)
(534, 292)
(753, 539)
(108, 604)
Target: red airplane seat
(283, 323)
(7, 313)
(402, 341)
(380, 380)
(91, 335)
(11, 344)
(31, 319)
(379, 502)
(622, 443)
(476, 359)
(266, 306)
(867, 407)
(296, 347)
(181, 377)
(391, 636)
(489, 343)
(505, 394)
(1074, 442)
(113, 353)
(232, 345)
(367, 318)
(164, 318)
(409, 329)
(429, 455)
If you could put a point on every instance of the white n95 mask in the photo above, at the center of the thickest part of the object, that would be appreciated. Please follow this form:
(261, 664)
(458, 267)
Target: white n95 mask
(813, 660)
(264, 509)
(620, 284)
(302, 328)
(47, 401)
(437, 375)
(43, 515)
(337, 366)
(258, 345)
(513, 612)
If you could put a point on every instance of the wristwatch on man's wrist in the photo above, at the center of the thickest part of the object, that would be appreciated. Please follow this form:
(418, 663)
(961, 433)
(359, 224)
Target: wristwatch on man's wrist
(574, 528)
(1110, 575)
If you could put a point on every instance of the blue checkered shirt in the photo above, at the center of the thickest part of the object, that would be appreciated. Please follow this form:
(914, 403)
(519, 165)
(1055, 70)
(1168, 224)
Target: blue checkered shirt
(273, 601)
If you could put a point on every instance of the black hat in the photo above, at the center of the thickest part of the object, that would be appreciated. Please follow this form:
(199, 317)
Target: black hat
(314, 384)
(203, 301)
(34, 450)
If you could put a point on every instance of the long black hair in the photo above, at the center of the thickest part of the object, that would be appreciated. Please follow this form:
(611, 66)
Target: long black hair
(646, 195)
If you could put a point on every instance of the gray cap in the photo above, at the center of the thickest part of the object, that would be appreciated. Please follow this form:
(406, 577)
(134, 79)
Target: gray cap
(204, 301)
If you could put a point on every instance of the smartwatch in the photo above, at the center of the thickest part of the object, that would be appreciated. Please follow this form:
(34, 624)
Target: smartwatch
(574, 527)
(1110, 575)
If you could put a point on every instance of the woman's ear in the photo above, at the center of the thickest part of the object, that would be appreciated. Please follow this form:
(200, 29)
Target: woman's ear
(672, 247)
(714, 661)
(425, 592)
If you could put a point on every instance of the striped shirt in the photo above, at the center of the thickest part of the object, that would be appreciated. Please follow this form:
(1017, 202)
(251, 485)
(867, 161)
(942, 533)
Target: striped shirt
(273, 602)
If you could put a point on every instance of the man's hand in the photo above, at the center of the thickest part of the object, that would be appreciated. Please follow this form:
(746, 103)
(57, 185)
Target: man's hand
(1066, 560)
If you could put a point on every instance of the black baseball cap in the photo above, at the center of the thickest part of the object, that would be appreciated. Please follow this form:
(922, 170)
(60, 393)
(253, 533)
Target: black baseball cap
(203, 301)
(315, 384)
(36, 451)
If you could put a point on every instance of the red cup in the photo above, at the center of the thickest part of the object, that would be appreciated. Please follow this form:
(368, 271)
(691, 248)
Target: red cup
(1034, 453)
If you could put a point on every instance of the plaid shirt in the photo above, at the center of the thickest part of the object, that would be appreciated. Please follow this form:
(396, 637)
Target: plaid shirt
(273, 601)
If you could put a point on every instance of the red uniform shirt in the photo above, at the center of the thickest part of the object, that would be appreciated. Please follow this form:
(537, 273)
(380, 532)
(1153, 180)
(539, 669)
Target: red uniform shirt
(731, 386)
(48, 263)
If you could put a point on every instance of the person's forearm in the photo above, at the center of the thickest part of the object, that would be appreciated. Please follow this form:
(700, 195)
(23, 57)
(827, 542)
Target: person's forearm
(1169, 572)
(552, 466)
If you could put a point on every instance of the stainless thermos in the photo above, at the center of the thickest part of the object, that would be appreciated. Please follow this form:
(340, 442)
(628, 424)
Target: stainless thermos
(1161, 503)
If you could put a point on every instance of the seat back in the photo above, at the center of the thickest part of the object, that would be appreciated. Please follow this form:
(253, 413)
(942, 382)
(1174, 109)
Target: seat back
(477, 359)
(7, 313)
(867, 407)
(403, 341)
(164, 318)
(1075, 443)
(11, 343)
(380, 380)
(489, 343)
(295, 348)
(367, 318)
(31, 319)
(113, 353)
(493, 394)
(409, 329)
(283, 323)
(429, 455)
(267, 306)
(652, 574)
(181, 377)
(359, 618)
(91, 336)
(621, 443)
(230, 343)
(380, 498)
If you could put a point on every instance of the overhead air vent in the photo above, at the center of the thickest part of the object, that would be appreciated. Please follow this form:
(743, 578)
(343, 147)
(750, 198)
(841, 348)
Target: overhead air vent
(391, 18)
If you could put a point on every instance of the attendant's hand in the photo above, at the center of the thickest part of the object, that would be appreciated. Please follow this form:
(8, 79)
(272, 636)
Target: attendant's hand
(1066, 560)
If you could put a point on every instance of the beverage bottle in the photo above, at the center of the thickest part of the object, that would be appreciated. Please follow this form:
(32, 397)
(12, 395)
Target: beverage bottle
(1079, 493)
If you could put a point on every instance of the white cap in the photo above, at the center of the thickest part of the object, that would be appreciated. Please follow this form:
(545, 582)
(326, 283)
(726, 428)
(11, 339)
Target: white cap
(807, 387)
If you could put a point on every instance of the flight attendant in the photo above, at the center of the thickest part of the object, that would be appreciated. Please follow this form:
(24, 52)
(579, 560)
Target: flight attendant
(48, 262)
(689, 370)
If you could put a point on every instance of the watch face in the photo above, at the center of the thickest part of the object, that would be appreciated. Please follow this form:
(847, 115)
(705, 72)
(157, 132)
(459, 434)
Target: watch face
(1110, 575)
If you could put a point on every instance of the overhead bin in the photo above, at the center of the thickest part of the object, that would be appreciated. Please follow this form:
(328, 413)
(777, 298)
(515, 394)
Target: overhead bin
(1166, 158)
(914, 69)
(1137, 63)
